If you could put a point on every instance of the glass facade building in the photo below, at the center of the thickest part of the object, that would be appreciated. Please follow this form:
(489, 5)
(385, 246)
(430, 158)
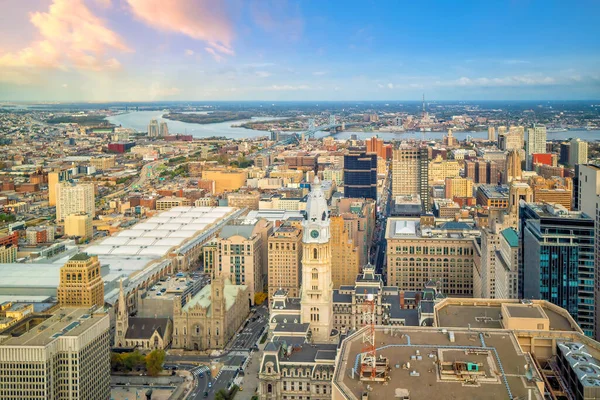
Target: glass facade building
(558, 259)
(360, 175)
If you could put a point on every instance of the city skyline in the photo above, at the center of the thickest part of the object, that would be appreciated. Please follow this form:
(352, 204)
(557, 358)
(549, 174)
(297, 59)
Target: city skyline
(133, 50)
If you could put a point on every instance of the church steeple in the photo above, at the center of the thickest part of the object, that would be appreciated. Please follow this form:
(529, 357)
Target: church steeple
(317, 217)
(122, 318)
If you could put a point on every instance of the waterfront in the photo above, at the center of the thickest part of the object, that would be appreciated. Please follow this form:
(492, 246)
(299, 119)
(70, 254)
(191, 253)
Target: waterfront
(139, 121)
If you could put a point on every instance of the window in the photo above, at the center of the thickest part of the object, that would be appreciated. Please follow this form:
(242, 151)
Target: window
(315, 254)
(269, 386)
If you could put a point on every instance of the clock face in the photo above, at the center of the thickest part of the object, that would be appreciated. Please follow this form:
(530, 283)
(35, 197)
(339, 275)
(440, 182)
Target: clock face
(314, 234)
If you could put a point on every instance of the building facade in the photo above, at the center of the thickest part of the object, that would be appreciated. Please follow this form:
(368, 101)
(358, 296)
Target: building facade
(360, 175)
(74, 199)
(81, 283)
(209, 319)
(285, 260)
(79, 225)
(410, 173)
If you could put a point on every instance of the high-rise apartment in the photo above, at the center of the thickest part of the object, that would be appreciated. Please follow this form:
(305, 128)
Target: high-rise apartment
(81, 283)
(153, 129)
(74, 199)
(285, 260)
(410, 173)
(66, 357)
(558, 260)
(163, 129)
(360, 175)
(578, 152)
(536, 140)
(440, 169)
(54, 178)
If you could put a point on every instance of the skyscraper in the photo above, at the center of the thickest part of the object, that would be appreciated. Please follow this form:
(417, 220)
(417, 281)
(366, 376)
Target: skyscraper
(513, 167)
(54, 178)
(536, 140)
(558, 260)
(410, 173)
(163, 129)
(81, 283)
(285, 258)
(578, 152)
(360, 175)
(74, 199)
(317, 305)
(491, 134)
(153, 128)
(345, 254)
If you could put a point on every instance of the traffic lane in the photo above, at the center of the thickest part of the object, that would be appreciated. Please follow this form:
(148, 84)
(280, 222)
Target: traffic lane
(225, 379)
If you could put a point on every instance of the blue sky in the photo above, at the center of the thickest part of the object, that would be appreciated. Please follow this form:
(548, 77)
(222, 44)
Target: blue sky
(133, 50)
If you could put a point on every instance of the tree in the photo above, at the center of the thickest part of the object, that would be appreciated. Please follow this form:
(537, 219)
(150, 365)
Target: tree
(132, 360)
(259, 298)
(154, 362)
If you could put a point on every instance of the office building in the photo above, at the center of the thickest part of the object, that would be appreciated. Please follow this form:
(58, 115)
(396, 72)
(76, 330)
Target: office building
(440, 169)
(359, 221)
(153, 129)
(410, 176)
(360, 175)
(74, 199)
(79, 225)
(458, 187)
(65, 355)
(558, 260)
(578, 152)
(345, 252)
(102, 163)
(247, 200)
(554, 190)
(507, 265)
(491, 134)
(81, 284)
(376, 145)
(168, 202)
(54, 178)
(228, 180)
(285, 260)
(494, 196)
(448, 360)
(565, 153)
(513, 167)
(444, 253)
(242, 250)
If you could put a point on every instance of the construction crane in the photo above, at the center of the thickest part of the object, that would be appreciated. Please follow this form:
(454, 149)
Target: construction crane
(369, 356)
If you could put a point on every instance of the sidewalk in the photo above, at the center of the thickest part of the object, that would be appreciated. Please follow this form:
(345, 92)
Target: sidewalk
(250, 383)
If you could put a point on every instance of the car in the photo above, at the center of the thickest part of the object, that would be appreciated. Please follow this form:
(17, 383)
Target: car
(205, 394)
(201, 375)
(209, 384)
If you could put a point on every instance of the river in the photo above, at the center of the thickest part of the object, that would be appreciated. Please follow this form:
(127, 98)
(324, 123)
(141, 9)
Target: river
(139, 121)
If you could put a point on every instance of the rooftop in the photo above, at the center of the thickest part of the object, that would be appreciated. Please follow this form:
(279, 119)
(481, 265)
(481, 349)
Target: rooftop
(499, 359)
(64, 322)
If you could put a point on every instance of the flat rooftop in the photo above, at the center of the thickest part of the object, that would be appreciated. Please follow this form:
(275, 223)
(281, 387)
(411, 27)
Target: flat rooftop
(486, 314)
(64, 322)
(497, 354)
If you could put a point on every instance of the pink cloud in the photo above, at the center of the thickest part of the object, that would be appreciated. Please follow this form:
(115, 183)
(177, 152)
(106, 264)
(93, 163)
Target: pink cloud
(212, 52)
(205, 20)
(70, 36)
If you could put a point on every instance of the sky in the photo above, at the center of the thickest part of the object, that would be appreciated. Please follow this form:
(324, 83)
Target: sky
(160, 50)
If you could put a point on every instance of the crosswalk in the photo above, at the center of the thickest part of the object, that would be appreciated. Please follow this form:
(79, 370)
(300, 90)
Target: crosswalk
(201, 369)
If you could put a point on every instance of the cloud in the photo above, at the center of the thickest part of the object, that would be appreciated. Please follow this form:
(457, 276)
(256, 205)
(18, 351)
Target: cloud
(525, 80)
(157, 91)
(212, 52)
(259, 65)
(288, 87)
(189, 52)
(205, 20)
(390, 85)
(104, 3)
(263, 74)
(319, 73)
(71, 36)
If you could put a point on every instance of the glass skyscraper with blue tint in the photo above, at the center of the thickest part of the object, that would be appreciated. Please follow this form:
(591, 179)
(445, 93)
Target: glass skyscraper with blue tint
(558, 259)
(360, 175)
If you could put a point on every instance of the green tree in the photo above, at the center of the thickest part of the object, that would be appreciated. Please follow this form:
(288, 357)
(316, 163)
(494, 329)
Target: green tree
(132, 360)
(222, 395)
(154, 362)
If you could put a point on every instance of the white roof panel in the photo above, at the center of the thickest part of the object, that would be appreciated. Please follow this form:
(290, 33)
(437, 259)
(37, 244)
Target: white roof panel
(155, 250)
(99, 249)
(170, 227)
(115, 240)
(194, 227)
(169, 241)
(182, 234)
(126, 250)
(156, 234)
(146, 226)
(142, 241)
(160, 220)
(182, 209)
(131, 233)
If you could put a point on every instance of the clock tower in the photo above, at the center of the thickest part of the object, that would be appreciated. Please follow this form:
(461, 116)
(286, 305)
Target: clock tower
(316, 297)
